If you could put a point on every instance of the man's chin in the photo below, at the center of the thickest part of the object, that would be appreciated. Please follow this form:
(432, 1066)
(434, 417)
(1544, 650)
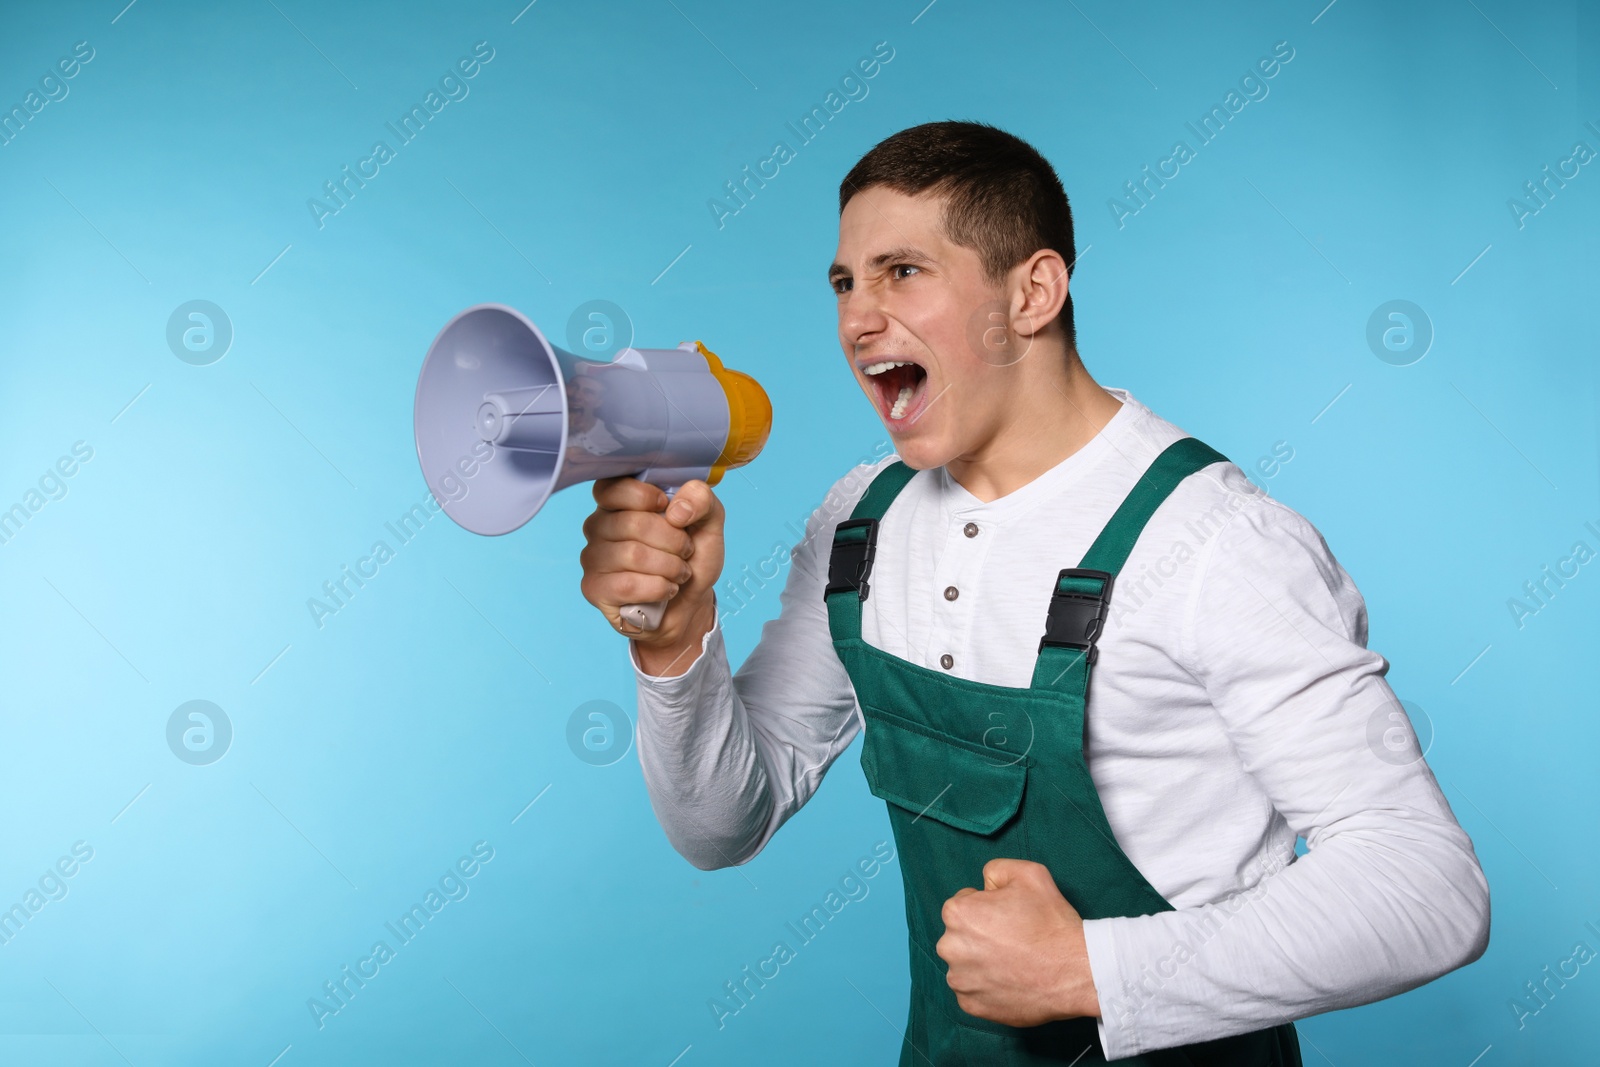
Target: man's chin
(918, 453)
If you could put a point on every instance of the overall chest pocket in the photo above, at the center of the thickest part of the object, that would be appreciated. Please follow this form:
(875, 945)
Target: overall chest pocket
(958, 783)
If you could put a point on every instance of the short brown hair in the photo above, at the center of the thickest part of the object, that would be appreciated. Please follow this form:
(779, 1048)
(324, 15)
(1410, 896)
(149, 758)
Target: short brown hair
(1004, 199)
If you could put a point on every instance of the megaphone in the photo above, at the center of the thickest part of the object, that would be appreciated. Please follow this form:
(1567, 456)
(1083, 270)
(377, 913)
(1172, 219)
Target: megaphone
(503, 419)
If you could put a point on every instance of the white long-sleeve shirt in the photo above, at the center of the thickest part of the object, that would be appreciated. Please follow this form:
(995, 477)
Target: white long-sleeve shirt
(1234, 704)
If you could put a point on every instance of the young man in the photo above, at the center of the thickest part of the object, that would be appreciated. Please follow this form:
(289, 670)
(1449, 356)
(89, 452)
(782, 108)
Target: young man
(1104, 680)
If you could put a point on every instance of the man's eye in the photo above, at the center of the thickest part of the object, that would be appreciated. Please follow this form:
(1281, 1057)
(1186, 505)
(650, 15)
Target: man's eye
(901, 266)
(841, 285)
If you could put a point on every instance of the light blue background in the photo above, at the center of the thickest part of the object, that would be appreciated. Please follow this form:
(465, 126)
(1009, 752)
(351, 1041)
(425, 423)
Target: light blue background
(427, 714)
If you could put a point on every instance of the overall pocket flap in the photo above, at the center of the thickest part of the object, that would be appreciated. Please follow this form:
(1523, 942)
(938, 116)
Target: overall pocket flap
(935, 776)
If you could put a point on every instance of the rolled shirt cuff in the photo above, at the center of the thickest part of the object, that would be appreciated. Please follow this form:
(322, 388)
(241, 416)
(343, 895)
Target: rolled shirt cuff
(1115, 1024)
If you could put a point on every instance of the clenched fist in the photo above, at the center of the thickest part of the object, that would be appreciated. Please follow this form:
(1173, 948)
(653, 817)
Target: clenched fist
(640, 550)
(1016, 949)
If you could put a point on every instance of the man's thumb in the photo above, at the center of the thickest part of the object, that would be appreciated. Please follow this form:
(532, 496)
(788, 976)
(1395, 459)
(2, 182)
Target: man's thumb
(690, 504)
(997, 874)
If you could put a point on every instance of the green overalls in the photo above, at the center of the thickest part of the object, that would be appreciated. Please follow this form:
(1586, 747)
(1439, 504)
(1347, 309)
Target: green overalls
(973, 772)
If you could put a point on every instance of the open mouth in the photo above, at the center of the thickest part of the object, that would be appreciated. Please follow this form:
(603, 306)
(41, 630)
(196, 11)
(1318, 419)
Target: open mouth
(900, 386)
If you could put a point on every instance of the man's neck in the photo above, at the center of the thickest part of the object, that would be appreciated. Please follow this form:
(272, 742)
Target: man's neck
(1057, 418)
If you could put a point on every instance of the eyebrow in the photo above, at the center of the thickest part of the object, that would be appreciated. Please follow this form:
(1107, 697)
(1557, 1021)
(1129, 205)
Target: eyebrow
(902, 254)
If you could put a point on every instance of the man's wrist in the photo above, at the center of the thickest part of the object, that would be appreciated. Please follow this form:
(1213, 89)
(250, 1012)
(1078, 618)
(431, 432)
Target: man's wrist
(1076, 997)
(669, 661)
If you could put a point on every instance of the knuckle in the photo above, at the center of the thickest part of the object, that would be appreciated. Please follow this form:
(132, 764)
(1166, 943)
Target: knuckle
(632, 554)
(636, 525)
(652, 527)
(647, 559)
(597, 559)
(603, 526)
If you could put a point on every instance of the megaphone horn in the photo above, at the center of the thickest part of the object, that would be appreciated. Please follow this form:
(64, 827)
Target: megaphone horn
(503, 418)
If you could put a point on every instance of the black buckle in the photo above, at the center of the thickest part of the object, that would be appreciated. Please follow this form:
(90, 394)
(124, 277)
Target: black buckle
(1076, 619)
(851, 559)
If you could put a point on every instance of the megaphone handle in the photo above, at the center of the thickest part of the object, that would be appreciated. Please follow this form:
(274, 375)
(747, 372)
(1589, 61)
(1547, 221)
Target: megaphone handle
(647, 616)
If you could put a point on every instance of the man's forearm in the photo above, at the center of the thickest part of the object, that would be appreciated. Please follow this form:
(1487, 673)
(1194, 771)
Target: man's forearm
(702, 766)
(1368, 915)
(728, 759)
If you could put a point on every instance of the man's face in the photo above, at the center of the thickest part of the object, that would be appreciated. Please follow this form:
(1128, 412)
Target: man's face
(906, 294)
(583, 395)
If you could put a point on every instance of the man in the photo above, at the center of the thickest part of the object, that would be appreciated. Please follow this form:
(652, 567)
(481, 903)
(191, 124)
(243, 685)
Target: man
(590, 438)
(1104, 681)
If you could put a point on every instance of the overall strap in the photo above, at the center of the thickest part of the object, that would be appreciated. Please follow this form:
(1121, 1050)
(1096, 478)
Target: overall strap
(1180, 459)
(854, 541)
(1082, 594)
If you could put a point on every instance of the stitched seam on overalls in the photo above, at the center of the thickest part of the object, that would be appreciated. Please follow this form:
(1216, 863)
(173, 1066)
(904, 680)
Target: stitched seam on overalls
(955, 684)
(939, 735)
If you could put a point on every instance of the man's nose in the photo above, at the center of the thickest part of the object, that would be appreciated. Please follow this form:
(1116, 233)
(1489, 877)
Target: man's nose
(861, 315)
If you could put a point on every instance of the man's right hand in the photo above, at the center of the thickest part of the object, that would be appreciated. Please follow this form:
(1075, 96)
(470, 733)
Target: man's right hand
(640, 550)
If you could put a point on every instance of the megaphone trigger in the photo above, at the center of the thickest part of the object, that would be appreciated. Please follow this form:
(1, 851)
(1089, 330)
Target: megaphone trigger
(500, 405)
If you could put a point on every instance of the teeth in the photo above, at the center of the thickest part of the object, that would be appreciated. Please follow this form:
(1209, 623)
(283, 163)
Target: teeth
(900, 402)
(879, 368)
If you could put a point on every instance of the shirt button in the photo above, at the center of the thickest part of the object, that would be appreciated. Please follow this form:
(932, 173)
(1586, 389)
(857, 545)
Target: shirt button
(947, 661)
(970, 529)
(951, 592)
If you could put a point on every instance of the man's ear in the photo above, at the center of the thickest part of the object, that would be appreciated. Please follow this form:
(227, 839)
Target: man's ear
(1039, 291)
